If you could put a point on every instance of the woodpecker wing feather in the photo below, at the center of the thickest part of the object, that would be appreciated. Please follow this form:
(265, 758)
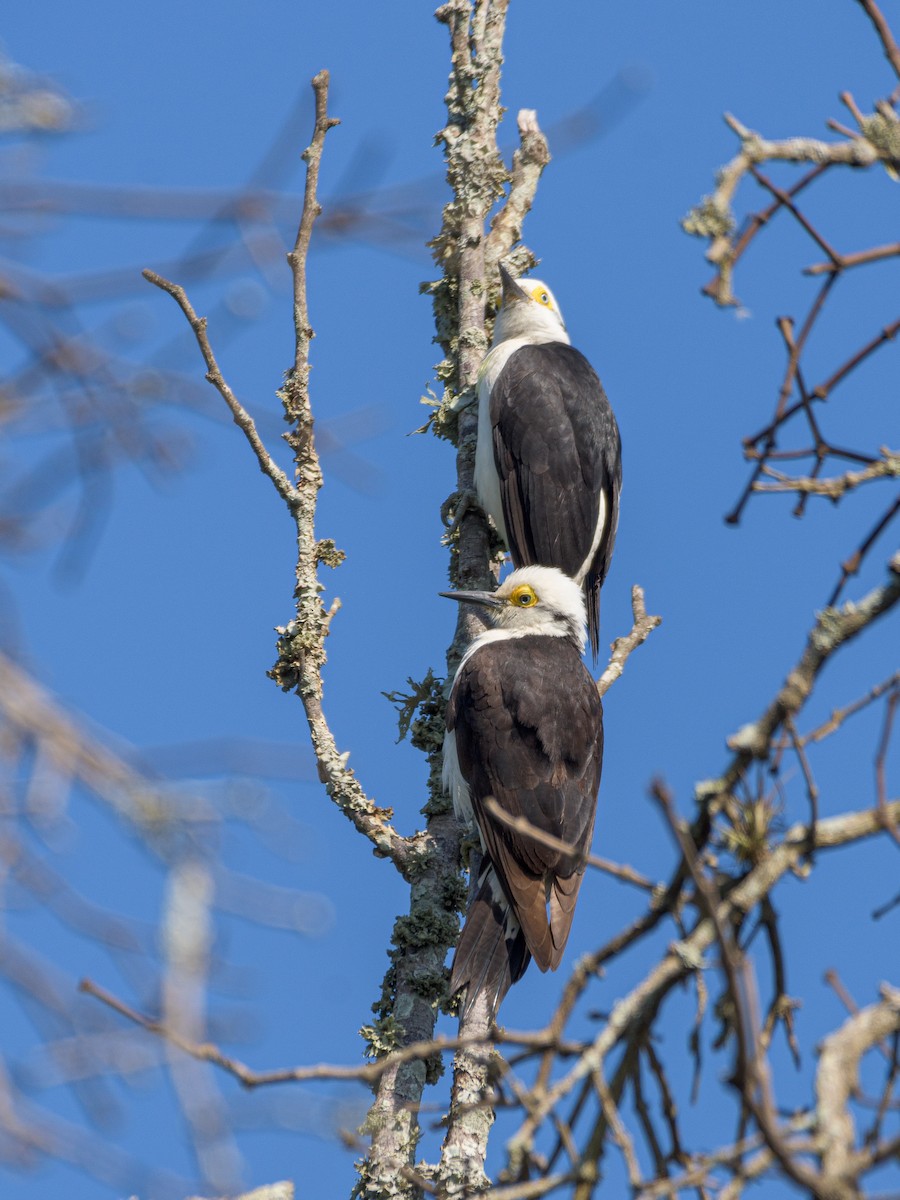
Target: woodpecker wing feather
(557, 452)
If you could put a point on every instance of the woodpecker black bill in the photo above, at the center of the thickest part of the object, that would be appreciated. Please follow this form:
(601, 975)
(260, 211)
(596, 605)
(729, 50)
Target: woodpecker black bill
(524, 730)
(548, 463)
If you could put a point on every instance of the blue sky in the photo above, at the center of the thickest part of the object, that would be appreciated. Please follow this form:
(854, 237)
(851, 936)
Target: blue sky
(165, 635)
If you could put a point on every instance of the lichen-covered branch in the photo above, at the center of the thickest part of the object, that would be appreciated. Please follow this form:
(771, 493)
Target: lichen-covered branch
(713, 218)
(476, 175)
(214, 375)
(837, 1080)
(528, 165)
(301, 644)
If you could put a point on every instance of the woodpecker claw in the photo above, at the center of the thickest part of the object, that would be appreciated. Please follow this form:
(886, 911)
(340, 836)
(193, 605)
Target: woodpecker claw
(471, 841)
(459, 504)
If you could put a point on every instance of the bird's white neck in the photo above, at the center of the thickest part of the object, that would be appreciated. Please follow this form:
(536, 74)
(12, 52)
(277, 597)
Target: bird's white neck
(531, 323)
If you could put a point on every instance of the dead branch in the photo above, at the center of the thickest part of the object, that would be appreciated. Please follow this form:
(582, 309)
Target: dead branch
(623, 647)
(888, 466)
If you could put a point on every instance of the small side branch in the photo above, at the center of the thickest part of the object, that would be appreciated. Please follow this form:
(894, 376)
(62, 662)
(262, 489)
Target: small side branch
(886, 467)
(528, 165)
(532, 1043)
(891, 49)
(838, 1076)
(242, 418)
(623, 647)
(834, 628)
(522, 825)
(301, 644)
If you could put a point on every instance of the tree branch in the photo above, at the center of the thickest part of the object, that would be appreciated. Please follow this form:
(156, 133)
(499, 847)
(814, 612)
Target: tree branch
(476, 176)
(623, 647)
(528, 165)
(891, 49)
(242, 418)
(301, 644)
(630, 1013)
(837, 1079)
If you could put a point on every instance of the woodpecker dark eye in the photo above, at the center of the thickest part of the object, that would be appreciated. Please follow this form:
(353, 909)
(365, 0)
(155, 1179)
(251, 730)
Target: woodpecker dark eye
(544, 298)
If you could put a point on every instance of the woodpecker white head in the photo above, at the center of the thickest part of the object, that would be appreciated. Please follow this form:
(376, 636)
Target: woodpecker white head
(533, 600)
(529, 310)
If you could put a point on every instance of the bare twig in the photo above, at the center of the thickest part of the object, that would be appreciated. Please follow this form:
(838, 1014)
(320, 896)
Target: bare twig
(242, 418)
(622, 647)
(523, 825)
(857, 259)
(833, 629)
(363, 1072)
(888, 466)
(851, 566)
(880, 760)
(891, 49)
(840, 715)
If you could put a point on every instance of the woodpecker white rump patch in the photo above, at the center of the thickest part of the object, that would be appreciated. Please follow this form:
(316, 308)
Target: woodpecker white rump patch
(524, 729)
(548, 465)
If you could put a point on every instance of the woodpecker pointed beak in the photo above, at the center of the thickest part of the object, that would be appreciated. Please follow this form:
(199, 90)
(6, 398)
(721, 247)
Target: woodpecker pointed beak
(511, 290)
(488, 599)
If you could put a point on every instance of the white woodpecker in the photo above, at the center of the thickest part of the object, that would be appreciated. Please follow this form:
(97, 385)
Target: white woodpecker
(524, 729)
(548, 465)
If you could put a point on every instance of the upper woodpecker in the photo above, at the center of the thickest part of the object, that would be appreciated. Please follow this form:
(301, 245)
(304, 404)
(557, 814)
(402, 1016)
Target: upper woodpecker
(548, 465)
(524, 729)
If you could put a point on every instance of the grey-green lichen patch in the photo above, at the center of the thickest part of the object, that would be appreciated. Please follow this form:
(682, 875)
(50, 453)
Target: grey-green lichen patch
(328, 553)
(426, 926)
(709, 219)
(383, 1006)
(407, 703)
(437, 804)
(430, 926)
(430, 985)
(378, 1184)
(453, 894)
(882, 130)
(427, 729)
(707, 790)
(829, 627)
(296, 643)
(382, 1036)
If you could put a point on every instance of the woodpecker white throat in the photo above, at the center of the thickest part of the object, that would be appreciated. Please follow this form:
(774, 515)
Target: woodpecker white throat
(548, 468)
(524, 740)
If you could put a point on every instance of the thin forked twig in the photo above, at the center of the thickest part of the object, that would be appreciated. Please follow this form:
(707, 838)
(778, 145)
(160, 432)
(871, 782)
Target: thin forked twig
(242, 418)
(623, 647)
(533, 1043)
(524, 826)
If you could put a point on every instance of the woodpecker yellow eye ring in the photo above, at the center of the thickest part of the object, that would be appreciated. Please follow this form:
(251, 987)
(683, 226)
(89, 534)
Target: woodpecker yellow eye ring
(542, 297)
(524, 596)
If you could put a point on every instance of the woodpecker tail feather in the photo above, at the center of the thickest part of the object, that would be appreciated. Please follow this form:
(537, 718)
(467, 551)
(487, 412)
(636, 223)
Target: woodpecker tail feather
(592, 603)
(491, 954)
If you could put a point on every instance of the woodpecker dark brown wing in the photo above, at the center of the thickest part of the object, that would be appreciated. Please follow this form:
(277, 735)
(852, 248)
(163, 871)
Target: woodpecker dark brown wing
(559, 459)
(528, 725)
